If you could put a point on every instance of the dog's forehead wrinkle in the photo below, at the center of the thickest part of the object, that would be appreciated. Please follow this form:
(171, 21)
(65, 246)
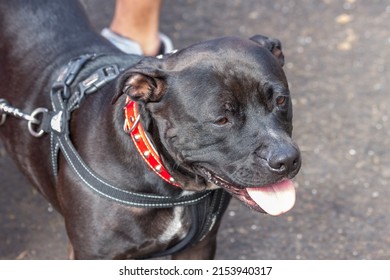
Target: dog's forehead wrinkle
(227, 54)
(275, 84)
(187, 59)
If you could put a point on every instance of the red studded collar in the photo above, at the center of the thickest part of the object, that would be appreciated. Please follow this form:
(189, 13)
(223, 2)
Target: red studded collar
(144, 146)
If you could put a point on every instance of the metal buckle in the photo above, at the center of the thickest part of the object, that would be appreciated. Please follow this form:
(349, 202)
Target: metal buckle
(101, 77)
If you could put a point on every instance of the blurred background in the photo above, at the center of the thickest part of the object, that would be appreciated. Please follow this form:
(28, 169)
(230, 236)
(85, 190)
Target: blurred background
(337, 63)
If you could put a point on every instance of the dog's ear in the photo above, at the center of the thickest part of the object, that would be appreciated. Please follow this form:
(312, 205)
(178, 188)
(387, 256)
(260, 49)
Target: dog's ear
(142, 83)
(273, 45)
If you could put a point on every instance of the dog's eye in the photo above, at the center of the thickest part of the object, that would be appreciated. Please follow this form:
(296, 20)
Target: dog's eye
(221, 121)
(281, 100)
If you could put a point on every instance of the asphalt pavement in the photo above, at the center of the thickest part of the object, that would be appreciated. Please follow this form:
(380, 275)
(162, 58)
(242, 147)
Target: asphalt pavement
(337, 63)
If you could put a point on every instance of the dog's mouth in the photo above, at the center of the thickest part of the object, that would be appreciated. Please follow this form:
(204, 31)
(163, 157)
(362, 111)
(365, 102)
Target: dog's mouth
(274, 199)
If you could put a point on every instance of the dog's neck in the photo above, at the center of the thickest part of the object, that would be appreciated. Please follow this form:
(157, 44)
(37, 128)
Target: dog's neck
(97, 111)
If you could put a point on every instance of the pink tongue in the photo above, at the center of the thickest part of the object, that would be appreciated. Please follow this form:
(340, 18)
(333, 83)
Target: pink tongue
(275, 199)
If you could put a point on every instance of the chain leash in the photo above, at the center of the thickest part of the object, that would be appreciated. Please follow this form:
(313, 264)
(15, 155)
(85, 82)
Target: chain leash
(33, 122)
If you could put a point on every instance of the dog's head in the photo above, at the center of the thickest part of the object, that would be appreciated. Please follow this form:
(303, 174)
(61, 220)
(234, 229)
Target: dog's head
(223, 114)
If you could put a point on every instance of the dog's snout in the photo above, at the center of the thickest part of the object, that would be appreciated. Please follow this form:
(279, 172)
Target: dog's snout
(282, 160)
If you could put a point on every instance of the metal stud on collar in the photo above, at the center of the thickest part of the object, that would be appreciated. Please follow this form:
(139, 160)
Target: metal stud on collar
(146, 154)
(137, 137)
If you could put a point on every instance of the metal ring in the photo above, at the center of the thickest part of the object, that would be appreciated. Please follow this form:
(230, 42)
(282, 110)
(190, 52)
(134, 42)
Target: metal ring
(2, 119)
(135, 123)
(35, 121)
(4, 115)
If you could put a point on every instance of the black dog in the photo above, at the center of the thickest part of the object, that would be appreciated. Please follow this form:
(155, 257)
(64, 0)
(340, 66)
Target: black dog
(207, 122)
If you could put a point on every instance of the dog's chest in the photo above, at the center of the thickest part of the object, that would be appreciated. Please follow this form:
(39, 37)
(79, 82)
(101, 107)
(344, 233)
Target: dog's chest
(174, 227)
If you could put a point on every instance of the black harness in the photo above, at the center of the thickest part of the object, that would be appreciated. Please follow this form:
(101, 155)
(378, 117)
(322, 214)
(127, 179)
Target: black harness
(206, 207)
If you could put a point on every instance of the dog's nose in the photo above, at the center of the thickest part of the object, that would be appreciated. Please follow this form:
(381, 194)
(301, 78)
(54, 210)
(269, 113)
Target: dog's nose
(284, 161)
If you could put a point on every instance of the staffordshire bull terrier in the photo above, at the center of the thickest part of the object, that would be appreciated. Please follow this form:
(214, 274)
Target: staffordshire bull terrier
(141, 155)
